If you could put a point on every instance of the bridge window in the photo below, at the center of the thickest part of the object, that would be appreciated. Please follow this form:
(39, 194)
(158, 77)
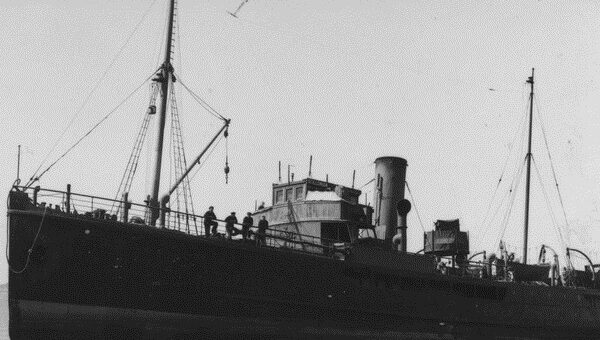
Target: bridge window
(299, 193)
(278, 196)
(289, 194)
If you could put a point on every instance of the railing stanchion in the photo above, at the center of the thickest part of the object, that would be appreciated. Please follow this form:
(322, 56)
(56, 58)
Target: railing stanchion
(126, 206)
(68, 199)
(35, 195)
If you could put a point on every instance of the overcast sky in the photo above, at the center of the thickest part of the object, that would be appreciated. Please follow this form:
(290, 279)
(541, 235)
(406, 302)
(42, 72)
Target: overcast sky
(441, 84)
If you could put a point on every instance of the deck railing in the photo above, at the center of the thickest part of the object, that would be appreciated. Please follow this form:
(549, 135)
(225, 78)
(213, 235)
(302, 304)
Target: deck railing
(102, 208)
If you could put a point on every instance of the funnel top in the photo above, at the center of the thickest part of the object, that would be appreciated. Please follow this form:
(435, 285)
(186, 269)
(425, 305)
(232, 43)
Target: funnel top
(391, 159)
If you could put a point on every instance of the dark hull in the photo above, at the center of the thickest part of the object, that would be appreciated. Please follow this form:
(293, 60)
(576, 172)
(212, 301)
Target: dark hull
(99, 278)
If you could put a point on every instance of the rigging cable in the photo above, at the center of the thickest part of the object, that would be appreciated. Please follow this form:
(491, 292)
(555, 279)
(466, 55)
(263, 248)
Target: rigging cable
(516, 173)
(133, 161)
(87, 99)
(369, 182)
(412, 197)
(552, 165)
(213, 148)
(226, 134)
(32, 180)
(201, 101)
(29, 251)
(513, 191)
(504, 168)
(547, 199)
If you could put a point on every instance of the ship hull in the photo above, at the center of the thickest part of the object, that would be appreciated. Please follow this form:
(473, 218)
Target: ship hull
(105, 279)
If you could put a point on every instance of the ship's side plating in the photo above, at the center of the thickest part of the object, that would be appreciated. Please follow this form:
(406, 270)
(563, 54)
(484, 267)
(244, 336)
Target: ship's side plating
(107, 278)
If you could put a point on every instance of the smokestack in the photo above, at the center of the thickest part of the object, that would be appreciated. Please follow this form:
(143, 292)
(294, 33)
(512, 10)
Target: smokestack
(389, 190)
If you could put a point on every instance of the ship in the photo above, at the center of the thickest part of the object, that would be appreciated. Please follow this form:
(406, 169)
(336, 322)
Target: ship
(327, 266)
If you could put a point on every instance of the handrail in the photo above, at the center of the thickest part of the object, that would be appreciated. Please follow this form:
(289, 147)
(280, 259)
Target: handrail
(111, 200)
(587, 258)
(479, 253)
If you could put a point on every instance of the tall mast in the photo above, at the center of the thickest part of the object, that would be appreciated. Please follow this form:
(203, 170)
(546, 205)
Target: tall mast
(163, 77)
(528, 157)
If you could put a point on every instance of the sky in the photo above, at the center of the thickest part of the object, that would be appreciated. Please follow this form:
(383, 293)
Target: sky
(441, 84)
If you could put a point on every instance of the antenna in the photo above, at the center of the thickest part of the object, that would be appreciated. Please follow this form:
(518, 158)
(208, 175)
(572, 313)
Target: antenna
(310, 167)
(18, 164)
(353, 177)
(288, 173)
(279, 171)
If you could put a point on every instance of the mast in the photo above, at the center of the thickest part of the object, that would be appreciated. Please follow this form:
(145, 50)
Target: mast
(528, 158)
(163, 77)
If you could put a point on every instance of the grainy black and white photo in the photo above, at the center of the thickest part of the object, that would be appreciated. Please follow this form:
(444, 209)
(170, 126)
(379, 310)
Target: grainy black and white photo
(300, 169)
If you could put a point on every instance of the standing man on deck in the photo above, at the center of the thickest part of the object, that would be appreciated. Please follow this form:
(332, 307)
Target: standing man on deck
(209, 220)
(230, 221)
(246, 224)
(263, 224)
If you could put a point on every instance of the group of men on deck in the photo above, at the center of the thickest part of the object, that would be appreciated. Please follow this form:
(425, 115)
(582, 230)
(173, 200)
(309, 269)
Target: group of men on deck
(210, 226)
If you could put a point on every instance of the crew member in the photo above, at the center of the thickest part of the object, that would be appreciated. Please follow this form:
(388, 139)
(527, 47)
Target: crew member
(209, 220)
(246, 224)
(230, 221)
(263, 224)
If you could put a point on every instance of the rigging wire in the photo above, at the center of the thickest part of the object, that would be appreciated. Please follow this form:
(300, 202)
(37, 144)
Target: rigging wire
(200, 164)
(177, 39)
(29, 251)
(369, 182)
(513, 191)
(515, 173)
(96, 86)
(547, 199)
(201, 101)
(32, 180)
(552, 164)
(412, 197)
(504, 167)
(132, 163)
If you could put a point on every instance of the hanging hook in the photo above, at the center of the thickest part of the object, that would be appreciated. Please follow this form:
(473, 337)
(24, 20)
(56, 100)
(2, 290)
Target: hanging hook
(226, 134)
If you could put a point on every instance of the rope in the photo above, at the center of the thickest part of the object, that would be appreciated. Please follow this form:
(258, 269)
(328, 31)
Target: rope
(32, 180)
(29, 251)
(206, 158)
(552, 164)
(201, 101)
(86, 100)
(504, 167)
(517, 173)
(512, 200)
(369, 182)
(547, 199)
(509, 194)
(415, 204)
